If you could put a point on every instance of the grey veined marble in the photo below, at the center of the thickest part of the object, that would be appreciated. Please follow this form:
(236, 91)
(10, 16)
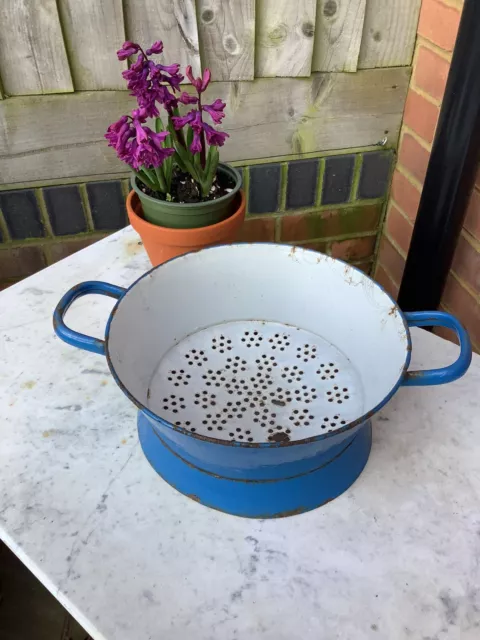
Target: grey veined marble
(395, 558)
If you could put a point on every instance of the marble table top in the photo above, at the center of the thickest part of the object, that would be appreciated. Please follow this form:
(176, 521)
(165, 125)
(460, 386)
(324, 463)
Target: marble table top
(397, 557)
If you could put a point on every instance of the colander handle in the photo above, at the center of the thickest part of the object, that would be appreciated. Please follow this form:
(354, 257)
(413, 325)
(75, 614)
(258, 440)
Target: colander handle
(445, 374)
(76, 339)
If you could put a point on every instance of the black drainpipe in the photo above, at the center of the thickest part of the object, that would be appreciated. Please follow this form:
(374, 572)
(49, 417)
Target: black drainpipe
(450, 173)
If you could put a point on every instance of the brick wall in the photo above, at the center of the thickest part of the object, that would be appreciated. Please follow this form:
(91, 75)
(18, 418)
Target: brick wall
(437, 30)
(334, 204)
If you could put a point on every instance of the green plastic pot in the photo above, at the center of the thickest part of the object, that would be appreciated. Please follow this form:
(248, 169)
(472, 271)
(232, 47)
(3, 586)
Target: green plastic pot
(192, 215)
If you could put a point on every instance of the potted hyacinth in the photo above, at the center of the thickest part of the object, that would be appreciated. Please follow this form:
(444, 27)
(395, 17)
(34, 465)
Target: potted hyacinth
(183, 198)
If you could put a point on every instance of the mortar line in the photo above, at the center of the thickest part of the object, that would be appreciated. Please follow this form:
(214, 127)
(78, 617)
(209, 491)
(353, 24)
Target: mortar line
(40, 198)
(87, 212)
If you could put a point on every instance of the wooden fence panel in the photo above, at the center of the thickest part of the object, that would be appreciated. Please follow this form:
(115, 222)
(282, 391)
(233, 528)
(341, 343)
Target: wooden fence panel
(285, 32)
(62, 136)
(227, 37)
(389, 33)
(172, 21)
(32, 53)
(338, 35)
(93, 32)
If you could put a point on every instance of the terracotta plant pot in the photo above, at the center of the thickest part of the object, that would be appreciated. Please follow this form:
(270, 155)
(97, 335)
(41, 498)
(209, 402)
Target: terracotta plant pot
(190, 215)
(164, 243)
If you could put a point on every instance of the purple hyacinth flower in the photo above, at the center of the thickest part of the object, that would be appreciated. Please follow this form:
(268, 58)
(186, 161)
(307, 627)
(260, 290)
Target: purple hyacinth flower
(140, 114)
(216, 138)
(165, 97)
(180, 121)
(196, 123)
(114, 131)
(200, 84)
(157, 47)
(128, 49)
(172, 69)
(186, 98)
(196, 145)
(207, 75)
(215, 110)
(156, 138)
(137, 75)
(141, 134)
(146, 101)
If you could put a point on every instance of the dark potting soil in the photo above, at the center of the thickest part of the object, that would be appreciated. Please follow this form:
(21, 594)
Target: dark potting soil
(185, 189)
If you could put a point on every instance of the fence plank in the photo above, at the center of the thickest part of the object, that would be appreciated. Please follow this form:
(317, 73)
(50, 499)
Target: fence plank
(338, 34)
(227, 37)
(62, 136)
(284, 37)
(389, 33)
(172, 21)
(93, 32)
(32, 53)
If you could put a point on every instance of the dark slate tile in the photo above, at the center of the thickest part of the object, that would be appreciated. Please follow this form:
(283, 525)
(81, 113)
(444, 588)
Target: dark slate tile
(65, 210)
(337, 179)
(264, 192)
(302, 183)
(21, 214)
(374, 175)
(107, 204)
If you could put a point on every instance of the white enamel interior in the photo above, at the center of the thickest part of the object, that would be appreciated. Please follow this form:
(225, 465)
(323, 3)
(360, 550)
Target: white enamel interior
(256, 381)
(233, 289)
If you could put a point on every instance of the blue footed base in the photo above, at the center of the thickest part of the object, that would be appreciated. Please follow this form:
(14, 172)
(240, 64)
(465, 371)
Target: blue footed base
(253, 498)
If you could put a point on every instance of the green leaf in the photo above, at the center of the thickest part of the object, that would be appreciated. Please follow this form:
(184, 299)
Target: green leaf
(159, 125)
(161, 179)
(168, 170)
(211, 166)
(145, 179)
(150, 174)
(185, 155)
(200, 172)
(189, 137)
(179, 162)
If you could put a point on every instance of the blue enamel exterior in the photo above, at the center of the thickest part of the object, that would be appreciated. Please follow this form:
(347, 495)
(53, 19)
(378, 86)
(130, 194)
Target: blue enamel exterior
(281, 497)
(269, 479)
(75, 338)
(445, 374)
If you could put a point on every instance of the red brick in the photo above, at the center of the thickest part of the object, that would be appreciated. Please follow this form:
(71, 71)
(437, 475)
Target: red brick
(399, 228)
(421, 115)
(327, 224)
(477, 179)
(413, 157)
(20, 262)
(382, 277)
(466, 263)
(439, 23)
(472, 218)
(354, 249)
(61, 250)
(405, 194)
(391, 260)
(431, 73)
(460, 302)
(258, 230)
(315, 246)
(366, 267)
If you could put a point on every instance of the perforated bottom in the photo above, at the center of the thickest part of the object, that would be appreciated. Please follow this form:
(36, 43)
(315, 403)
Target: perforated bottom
(256, 382)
